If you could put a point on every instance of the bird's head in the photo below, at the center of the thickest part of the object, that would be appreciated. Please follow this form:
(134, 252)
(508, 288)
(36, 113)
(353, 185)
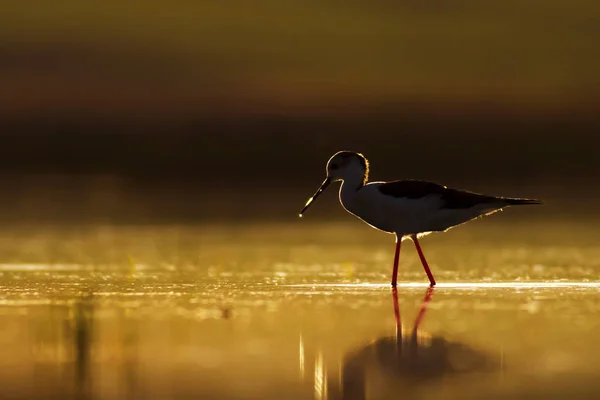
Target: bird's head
(347, 165)
(343, 166)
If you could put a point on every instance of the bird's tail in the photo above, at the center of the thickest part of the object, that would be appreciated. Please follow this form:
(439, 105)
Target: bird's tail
(515, 202)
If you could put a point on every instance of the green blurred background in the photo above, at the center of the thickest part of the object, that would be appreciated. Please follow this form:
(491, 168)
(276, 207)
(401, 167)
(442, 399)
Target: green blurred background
(182, 110)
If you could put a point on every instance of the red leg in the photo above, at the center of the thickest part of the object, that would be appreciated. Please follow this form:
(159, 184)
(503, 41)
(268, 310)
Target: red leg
(423, 309)
(397, 311)
(424, 262)
(396, 259)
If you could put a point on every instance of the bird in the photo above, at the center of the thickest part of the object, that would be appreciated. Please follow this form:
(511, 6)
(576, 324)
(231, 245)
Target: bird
(409, 209)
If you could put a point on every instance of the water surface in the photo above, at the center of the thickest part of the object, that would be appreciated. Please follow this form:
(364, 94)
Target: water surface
(300, 311)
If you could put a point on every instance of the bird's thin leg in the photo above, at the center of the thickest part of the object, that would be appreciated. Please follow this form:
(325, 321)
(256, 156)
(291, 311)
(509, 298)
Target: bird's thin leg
(423, 309)
(396, 311)
(396, 259)
(424, 262)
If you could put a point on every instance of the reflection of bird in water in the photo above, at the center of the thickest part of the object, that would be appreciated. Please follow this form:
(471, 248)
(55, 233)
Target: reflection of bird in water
(407, 360)
(409, 208)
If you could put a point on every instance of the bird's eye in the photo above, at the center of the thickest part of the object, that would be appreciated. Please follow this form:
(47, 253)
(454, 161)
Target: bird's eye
(334, 166)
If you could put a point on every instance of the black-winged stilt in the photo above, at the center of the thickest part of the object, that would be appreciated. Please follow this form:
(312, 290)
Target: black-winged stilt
(407, 208)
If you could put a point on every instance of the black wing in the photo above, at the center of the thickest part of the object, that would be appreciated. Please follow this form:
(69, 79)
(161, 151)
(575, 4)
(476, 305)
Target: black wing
(452, 198)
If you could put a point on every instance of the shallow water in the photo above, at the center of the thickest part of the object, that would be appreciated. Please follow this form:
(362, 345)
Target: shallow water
(299, 311)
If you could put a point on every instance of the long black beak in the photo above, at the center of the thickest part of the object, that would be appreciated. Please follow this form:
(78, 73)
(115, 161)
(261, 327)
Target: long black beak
(323, 186)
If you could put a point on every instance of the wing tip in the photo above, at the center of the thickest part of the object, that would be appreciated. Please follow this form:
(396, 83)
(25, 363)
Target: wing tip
(515, 202)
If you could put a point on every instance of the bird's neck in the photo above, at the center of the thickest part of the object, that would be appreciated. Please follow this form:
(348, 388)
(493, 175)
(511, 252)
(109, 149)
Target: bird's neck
(352, 184)
(349, 194)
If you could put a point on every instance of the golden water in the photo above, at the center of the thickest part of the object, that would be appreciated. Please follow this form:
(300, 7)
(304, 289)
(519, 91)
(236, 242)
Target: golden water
(298, 311)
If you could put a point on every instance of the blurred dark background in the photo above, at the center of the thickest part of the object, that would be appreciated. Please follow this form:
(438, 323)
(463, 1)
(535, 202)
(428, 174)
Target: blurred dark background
(187, 111)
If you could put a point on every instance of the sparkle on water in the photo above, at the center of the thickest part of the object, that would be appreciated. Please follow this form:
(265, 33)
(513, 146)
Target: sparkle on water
(300, 311)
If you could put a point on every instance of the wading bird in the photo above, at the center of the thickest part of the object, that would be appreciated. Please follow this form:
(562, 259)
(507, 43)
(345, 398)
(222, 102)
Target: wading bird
(407, 208)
